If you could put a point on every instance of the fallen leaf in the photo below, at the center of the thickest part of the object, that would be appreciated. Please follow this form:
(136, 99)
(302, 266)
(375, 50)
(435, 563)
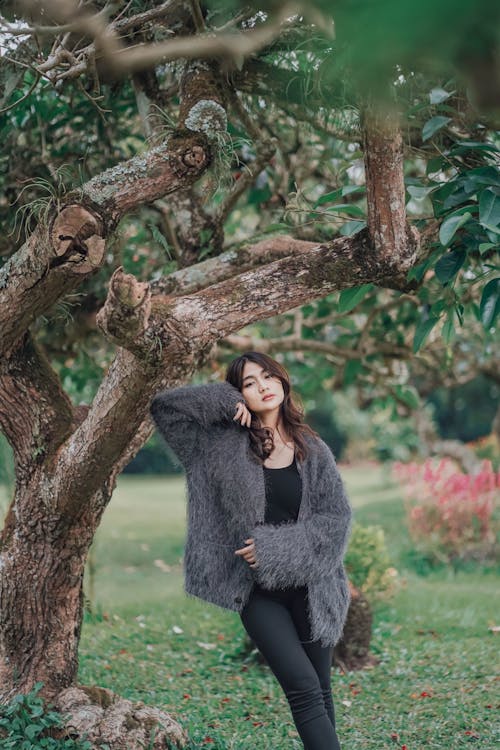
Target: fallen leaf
(162, 566)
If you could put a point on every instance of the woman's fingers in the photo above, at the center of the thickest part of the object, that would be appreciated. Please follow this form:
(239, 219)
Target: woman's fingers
(248, 552)
(240, 410)
(243, 415)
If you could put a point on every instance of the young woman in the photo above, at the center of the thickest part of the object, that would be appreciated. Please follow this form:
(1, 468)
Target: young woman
(268, 526)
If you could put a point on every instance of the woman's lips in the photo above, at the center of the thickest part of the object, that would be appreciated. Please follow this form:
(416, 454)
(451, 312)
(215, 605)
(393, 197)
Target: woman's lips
(266, 398)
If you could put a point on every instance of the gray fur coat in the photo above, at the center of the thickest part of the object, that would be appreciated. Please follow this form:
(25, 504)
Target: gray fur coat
(226, 505)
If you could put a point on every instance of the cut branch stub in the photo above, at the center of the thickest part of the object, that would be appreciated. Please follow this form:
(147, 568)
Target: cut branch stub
(75, 234)
(194, 157)
(126, 311)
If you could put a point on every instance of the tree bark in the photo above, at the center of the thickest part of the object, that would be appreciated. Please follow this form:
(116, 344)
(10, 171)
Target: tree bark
(389, 231)
(70, 246)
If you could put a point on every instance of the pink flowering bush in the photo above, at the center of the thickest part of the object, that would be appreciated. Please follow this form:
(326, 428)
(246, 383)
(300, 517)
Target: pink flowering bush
(451, 515)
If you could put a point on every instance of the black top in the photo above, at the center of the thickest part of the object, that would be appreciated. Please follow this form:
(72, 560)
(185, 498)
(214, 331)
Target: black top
(283, 493)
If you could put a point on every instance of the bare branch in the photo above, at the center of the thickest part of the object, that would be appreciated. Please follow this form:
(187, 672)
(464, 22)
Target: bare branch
(119, 61)
(295, 343)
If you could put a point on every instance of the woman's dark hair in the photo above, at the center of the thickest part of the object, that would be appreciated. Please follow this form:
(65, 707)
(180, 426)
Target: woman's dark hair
(292, 413)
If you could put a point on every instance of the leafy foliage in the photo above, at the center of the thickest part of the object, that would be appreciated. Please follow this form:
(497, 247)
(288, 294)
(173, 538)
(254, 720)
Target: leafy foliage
(305, 91)
(452, 516)
(27, 724)
(368, 563)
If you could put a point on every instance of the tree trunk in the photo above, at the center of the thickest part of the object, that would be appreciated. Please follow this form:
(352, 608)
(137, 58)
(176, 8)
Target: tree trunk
(41, 594)
(353, 649)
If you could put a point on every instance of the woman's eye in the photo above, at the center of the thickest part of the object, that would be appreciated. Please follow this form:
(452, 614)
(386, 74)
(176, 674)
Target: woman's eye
(252, 382)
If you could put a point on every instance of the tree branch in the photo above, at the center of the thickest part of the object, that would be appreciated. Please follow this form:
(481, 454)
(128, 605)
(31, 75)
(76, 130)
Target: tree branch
(177, 338)
(36, 415)
(70, 247)
(119, 61)
(383, 155)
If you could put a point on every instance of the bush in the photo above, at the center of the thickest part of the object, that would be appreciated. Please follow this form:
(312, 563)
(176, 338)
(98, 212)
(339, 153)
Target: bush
(367, 562)
(27, 724)
(451, 516)
(488, 448)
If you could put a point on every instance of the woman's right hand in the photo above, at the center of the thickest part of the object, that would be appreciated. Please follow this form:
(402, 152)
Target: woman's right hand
(243, 415)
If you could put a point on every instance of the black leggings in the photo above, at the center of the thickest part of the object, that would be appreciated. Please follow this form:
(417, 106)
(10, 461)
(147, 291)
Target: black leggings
(277, 623)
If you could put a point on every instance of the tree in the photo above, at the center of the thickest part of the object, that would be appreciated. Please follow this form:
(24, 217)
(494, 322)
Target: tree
(145, 136)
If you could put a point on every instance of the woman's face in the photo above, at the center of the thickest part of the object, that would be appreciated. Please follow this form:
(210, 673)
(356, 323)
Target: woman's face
(262, 391)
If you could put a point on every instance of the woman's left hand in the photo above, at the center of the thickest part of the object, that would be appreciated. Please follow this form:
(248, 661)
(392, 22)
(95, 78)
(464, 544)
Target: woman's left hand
(248, 552)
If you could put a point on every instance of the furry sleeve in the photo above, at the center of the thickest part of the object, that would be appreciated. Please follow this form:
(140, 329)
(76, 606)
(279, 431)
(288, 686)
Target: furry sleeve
(182, 414)
(295, 553)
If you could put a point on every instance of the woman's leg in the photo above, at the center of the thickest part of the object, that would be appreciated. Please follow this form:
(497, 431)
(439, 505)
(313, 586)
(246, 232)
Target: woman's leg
(270, 624)
(321, 659)
(320, 656)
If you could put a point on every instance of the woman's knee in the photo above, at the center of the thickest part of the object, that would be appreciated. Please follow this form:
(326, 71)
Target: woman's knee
(304, 687)
(306, 699)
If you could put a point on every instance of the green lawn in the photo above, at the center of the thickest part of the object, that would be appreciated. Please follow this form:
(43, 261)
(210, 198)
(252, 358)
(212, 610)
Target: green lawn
(433, 688)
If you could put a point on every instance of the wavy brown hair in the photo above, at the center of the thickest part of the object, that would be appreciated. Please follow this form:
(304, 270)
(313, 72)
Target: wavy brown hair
(292, 413)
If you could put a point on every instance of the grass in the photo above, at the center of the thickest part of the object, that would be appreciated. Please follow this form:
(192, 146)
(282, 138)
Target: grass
(434, 687)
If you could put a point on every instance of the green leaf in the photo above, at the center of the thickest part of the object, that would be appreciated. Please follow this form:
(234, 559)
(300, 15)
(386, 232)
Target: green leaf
(349, 298)
(417, 271)
(328, 197)
(339, 193)
(451, 225)
(422, 331)
(160, 238)
(448, 331)
(351, 227)
(352, 369)
(418, 192)
(408, 395)
(433, 125)
(438, 95)
(489, 307)
(461, 146)
(488, 176)
(349, 189)
(489, 210)
(435, 164)
(32, 730)
(485, 246)
(438, 307)
(448, 266)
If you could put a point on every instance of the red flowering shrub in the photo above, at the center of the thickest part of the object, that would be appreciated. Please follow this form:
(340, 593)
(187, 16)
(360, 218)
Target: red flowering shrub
(451, 515)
